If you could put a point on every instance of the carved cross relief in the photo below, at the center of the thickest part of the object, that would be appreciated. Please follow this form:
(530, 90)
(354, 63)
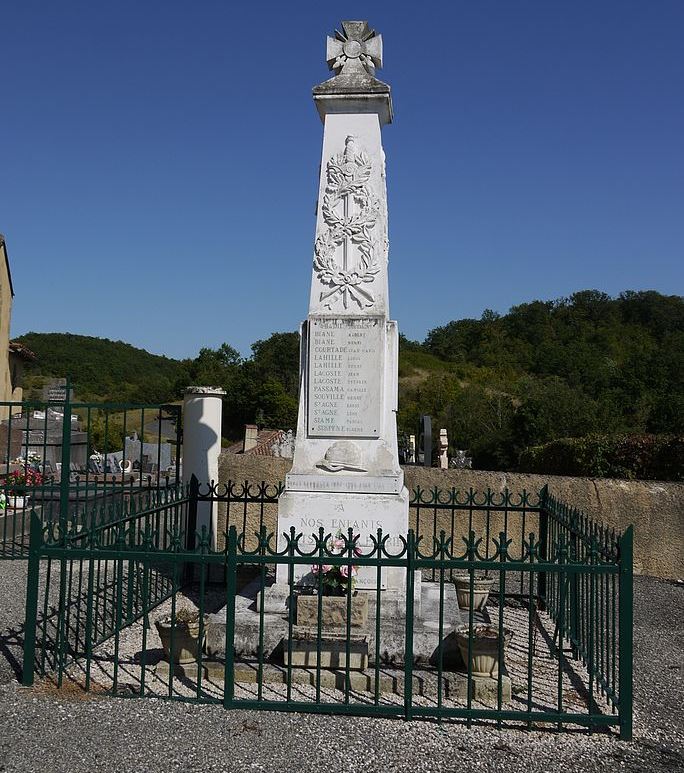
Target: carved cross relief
(346, 252)
(354, 49)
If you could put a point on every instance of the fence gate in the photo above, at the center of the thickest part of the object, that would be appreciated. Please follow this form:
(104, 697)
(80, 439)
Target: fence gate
(83, 463)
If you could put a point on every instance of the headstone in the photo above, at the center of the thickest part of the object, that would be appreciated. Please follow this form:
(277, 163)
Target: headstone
(443, 449)
(462, 461)
(425, 441)
(411, 456)
(345, 472)
(284, 446)
(55, 390)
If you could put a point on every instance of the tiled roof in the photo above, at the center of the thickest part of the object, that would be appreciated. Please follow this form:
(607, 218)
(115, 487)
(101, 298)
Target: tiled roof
(264, 442)
(23, 351)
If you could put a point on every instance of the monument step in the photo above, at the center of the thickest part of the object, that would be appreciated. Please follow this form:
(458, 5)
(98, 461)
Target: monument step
(387, 680)
(392, 642)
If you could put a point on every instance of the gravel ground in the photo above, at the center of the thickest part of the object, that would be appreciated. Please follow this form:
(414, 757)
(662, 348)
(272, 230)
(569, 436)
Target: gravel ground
(125, 652)
(70, 731)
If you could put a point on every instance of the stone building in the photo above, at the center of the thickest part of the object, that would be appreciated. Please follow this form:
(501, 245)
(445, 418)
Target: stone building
(13, 355)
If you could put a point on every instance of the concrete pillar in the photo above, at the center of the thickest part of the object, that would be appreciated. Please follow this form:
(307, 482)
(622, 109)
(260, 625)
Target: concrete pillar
(202, 411)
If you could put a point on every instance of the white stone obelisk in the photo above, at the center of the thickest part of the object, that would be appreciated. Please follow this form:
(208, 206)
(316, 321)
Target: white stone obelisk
(346, 472)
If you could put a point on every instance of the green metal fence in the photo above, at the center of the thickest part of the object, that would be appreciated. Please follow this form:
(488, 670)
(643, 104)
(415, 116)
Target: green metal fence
(592, 609)
(74, 461)
(91, 586)
(558, 619)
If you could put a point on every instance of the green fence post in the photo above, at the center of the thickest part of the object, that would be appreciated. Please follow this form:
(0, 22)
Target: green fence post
(574, 593)
(231, 589)
(191, 525)
(65, 472)
(191, 528)
(408, 648)
(31, 616)
(626, 631)
(543, 544)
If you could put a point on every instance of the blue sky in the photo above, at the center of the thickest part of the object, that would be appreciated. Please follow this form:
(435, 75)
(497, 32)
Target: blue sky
(159, 160)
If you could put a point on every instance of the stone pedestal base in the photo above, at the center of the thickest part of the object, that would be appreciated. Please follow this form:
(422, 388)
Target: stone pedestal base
(276, 600)
(333, 611)
(454, 684)
(392, 643)
(302, 650)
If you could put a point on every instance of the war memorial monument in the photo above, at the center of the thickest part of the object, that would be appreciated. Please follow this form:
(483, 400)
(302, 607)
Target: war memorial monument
(345, 477)
(346, 472)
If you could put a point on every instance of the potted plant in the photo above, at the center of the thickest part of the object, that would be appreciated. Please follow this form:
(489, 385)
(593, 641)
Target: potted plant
(185, 628)
(16, 484)
(481, 587)
(334, 584)
(484, 650)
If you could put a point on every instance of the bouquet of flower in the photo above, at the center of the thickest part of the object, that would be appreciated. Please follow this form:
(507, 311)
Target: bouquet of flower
(19, 480)
(336, 580)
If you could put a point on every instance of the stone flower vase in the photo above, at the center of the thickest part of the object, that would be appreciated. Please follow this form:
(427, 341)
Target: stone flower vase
(186, 644)
(485, 648)
(481, 588)
(16, 502)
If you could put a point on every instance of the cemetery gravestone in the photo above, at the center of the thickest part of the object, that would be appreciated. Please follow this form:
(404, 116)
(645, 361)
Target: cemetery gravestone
(425, 441)
(56, 391)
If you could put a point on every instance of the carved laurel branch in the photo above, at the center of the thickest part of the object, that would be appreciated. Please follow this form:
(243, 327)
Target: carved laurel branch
(348, 179)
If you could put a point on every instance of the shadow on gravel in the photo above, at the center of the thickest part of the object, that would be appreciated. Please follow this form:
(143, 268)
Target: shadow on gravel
(577, 683)
(11, 652)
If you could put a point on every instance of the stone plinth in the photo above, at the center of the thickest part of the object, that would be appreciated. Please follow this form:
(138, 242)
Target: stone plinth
(303, 649)
(333, 611)
(249, 638)
(307, 512)
(389, 681)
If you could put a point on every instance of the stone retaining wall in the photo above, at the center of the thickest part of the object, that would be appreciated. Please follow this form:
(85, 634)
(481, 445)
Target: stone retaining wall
(655, 508)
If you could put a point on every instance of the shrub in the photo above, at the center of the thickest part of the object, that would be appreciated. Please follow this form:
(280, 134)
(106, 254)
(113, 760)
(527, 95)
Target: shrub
(643, 457)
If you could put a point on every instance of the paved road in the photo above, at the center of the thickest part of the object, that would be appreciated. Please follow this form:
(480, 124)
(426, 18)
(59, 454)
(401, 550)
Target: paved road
(63, 731)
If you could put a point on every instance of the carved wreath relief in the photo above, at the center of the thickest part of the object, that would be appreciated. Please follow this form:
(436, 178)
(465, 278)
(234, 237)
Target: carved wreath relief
(350, 211)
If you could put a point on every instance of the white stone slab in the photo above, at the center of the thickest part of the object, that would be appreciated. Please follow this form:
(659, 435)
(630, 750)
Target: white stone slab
(308, 512)
(377, 456)
(345, 362)
(353, 483)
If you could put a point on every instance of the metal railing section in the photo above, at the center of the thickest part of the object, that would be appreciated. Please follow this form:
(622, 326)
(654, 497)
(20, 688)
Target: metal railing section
(87, 585)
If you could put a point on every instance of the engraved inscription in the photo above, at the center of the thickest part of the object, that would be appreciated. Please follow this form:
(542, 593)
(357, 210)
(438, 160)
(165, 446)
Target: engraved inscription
(345, 377)
(362, 484)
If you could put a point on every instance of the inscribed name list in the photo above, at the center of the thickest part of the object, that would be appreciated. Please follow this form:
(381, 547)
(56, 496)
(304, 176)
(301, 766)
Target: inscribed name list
(345, 381)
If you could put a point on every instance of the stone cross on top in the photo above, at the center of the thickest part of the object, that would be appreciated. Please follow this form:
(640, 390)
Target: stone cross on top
(354, 49)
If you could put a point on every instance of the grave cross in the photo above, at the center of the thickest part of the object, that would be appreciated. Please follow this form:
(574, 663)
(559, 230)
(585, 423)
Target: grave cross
(354, 49)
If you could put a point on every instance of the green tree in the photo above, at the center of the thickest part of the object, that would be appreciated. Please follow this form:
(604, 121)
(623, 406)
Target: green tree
(215, 367)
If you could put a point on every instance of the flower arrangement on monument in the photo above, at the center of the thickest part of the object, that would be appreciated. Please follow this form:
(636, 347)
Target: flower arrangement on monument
(337, 580)
(19, 480)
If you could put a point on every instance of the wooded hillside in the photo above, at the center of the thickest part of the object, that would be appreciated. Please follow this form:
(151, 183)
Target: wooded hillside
(554, 369)
(101, 369)
(573, 367)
